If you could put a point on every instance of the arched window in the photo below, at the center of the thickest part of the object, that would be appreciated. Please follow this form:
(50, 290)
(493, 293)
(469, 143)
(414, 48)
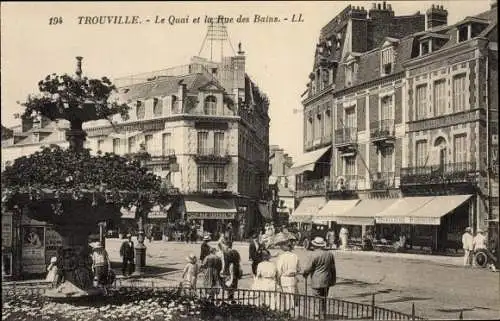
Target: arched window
(441, 152)
(210, 107)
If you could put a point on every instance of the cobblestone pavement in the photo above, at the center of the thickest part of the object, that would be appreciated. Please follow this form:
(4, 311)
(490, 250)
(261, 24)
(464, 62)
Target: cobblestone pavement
(439, 286)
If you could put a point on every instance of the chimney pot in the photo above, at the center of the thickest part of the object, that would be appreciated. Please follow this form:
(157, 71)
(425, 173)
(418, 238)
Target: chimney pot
(378, 6)
(383, 5)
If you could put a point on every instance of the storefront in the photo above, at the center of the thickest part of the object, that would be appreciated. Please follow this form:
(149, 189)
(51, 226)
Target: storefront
(332, 212)
(213, 215)
(307, 209)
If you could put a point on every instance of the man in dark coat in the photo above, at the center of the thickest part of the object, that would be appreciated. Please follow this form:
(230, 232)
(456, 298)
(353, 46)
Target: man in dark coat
(127, 254)
(322, 270)
(205, 248)
(255, 250)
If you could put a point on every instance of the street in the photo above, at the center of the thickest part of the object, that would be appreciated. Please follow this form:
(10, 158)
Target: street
(439, 286)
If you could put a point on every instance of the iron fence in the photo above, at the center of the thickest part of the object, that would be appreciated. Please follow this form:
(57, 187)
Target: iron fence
(298, 306)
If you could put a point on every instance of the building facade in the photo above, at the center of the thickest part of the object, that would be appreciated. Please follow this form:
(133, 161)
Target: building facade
(283, 184)
(371, 176)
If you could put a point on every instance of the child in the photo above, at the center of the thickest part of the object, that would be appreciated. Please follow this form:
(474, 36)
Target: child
(190, 275)
(52, 269)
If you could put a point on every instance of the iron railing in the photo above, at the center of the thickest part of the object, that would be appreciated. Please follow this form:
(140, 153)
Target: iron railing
(346, 136)
(212, 155)
(382, 129)
(383, 180)
(348, 182)
(298, 306)
(464, 172)
(312, 187)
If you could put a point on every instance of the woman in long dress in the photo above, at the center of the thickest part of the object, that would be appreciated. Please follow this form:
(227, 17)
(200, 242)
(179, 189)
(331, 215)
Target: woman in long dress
(212, 266)
(343, 235)
(266, 279)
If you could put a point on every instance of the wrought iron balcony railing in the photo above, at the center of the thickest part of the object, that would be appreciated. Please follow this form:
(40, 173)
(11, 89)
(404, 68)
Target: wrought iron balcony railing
(211, 155)
(212, 185)
(312, 187)
(346, 136)
(348, 182)
(464, 172)
(383, 180)
(168, 157)
(382, 129)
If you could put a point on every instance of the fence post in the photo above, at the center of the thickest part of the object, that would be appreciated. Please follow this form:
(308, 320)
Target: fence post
(461, 315)
(413, 311)
(373, 306)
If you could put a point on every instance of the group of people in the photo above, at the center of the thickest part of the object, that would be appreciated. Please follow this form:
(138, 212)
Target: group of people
(473, 244)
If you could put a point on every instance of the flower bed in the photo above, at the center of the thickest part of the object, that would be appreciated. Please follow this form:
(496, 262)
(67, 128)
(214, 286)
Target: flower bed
(131, 304)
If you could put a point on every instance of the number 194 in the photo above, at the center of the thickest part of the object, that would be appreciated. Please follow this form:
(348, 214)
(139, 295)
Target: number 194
(55, 20)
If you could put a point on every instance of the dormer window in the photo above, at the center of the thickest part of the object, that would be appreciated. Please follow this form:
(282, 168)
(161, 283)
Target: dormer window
(350, 73)
(141, 110)
(387, 61)
(425, 47)
(463, 33)
(470, 28)
(157, 107)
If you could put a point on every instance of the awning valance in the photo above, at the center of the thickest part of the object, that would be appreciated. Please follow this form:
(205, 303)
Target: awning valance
(308, 207)
(264, 210)
(426, 210)
(364, 212)
(334, 209)
(210, 208)
(307, 161)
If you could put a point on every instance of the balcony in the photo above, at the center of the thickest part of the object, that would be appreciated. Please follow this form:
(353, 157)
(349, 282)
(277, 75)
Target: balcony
(313, 187)
(346, 139)
(212, 156)
(213, 186)
(167, 158)
(382, 131)
(465, 172)
(383, 181)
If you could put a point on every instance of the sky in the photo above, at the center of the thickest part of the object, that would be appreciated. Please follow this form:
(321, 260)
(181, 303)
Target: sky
(279, 56)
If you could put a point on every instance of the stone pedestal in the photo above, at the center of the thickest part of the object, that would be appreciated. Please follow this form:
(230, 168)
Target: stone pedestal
(140, 258)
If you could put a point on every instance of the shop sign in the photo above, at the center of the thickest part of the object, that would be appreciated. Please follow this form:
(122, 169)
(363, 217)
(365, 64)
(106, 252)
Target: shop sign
(211, 216)
(6, 230)
(409, 220)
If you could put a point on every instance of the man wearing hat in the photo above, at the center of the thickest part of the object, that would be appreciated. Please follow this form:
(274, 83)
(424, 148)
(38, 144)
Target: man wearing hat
(205, 248)
(127, 254)
(322, 270)
(467, 245)
(254, 252)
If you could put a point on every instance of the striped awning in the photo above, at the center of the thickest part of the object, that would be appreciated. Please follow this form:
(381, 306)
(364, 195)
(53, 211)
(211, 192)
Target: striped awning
(307, 161)
(210, 208)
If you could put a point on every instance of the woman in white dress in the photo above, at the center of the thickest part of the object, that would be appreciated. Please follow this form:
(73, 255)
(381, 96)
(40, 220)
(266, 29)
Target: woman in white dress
(343, 235)
(266, 280)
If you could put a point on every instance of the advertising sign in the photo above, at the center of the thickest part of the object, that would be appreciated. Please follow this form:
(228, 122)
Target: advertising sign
(53, 241)
(33, 249)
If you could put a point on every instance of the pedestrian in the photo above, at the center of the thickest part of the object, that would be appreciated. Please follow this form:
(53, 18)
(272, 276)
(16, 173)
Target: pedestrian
(266, 280)
(229, 232)
(127, 255)
(234, 269)
(53, 272)
(321, 269)
(205, 248)
(255, 251)
(467, 245)
(288, 268)
(212, 267)
(191, 270)
(101, 264)
(478, 243)
(343, 235)
(330, 238)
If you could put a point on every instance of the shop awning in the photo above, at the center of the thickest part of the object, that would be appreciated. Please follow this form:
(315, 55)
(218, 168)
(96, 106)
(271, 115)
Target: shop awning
(307, 161)
(308, 207)
(431, 212)
(334, 209)
(364, 212)
(210, 208)
(424, 210)
(264, 210)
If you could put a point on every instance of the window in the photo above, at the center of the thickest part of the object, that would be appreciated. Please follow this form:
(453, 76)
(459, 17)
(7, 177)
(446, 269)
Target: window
(116, 145)
(386, 161)
(166, 144)
(421, 153)
(148, 140)
(350, 117)
(421, 102)
(318, 128)
(132, 144)
(202, 176)
(350, 166)
(386, 108)
(350, 73)
(425, 47)
(219, 174)
(218, 143)
(328, 122)
(6, 264)
(387, 61)
(210, 107)
(459, 103)
(203, 143)
(157, 107)
(100, 144)
(141, 110)
(459, 148)
(175, 105)
(463, 33)
(439, 97)
(309, 134)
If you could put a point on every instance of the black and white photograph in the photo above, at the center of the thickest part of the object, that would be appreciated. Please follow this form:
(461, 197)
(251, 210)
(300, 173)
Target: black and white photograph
(249, 160)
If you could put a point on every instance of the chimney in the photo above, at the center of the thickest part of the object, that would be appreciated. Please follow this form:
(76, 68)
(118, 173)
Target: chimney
(436, 16)
(79, 67)
(181, 94)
